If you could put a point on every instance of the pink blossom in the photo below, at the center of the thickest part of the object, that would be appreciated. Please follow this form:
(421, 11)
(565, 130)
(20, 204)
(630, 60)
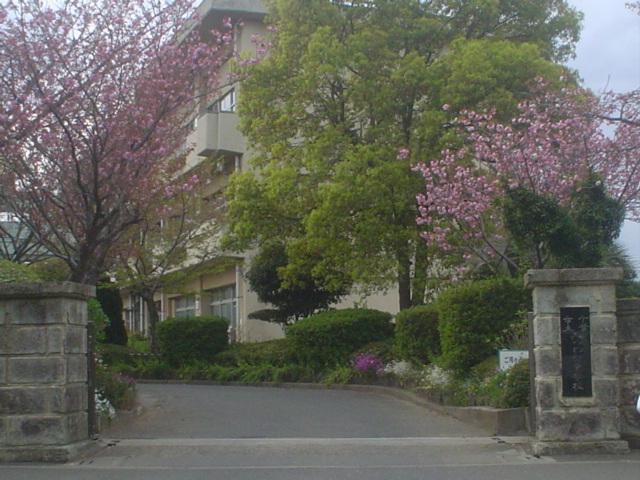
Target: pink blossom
(89, 137)
(553, 143)
(403, 153)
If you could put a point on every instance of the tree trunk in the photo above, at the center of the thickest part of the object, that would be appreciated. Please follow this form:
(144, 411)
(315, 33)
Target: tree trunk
(154, 319)
(84, 274)
(420, 276)
(404, 279)
(87, 270)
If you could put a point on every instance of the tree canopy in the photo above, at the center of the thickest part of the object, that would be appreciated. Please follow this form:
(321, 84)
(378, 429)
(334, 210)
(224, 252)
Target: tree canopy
(350, 95)
(557, 179)
(96, 95)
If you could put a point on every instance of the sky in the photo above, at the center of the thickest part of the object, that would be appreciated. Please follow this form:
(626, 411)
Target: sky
(608, 56)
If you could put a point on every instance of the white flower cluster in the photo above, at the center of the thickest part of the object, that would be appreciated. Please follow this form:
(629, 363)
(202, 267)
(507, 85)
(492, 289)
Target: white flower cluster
(398, 367)
(104, 407)
(432, 376)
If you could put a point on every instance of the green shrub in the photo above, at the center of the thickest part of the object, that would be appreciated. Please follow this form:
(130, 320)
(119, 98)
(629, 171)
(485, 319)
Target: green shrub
(115, 355)
(11, 272)
(486, 368)
(98, 318)
(154, 369)
(138, 343)
(189, 339)
(383, 349)
(119, 389)
(329, 338)
(340, 375)
(416, 335)
(516, 389)
(628, 289)
(489, 391)
(273, 352)
(473, 317)
(51, 270)
(249, 374)
(294, 372)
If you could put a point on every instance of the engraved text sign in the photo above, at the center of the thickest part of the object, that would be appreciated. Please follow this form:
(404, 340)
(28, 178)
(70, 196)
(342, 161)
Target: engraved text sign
(576, 351)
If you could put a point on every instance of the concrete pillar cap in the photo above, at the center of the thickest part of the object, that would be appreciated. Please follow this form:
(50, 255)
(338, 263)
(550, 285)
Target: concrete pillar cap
(572, 276)
(13, 291)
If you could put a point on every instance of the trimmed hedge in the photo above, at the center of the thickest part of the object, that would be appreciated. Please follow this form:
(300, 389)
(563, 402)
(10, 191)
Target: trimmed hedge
(472, 318)
(417, 336)
(189, 339)
(329, 338)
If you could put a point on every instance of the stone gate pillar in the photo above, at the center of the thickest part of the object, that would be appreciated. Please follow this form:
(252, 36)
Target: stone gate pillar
(576, 361)
(629, 354)
(43, 371)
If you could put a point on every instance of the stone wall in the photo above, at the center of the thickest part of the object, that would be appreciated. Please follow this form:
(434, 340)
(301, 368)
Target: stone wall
(43, 371)
(629, 360)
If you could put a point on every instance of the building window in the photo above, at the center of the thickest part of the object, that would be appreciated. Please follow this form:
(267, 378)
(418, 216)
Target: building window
(137, 313)
(223, 302)
(228, 102)
(184, 306)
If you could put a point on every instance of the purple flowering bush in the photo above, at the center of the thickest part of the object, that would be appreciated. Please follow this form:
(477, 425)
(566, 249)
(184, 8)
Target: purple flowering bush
(367, 365)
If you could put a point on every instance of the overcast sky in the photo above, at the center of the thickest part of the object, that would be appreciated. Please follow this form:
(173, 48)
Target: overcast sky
(608, 56)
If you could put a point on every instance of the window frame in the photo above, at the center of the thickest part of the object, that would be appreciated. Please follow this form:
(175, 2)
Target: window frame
(219, 303)
(178, 311)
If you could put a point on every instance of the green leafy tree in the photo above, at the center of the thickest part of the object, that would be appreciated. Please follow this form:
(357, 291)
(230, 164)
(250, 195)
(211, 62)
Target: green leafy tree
(579, 234)
(351, 95)
(294, 299)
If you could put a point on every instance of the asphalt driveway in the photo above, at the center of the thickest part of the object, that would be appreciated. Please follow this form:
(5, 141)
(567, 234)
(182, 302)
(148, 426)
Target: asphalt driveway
(209, 411)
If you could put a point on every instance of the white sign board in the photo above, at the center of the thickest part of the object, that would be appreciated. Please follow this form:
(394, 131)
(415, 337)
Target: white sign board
(508, 358)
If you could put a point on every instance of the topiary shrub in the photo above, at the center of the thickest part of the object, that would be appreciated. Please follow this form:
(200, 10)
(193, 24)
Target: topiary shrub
(188, 339)
(329, 338)
(416, 335)
(473, 317)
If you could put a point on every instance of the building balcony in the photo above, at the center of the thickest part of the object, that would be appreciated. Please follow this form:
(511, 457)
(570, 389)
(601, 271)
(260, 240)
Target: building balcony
(217, 133)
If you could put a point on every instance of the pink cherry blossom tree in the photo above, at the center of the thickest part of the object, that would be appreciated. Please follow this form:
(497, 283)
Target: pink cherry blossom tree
(554, 142)
(96, 96)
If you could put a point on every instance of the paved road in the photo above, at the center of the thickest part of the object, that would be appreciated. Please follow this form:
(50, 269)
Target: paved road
(242, 433)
